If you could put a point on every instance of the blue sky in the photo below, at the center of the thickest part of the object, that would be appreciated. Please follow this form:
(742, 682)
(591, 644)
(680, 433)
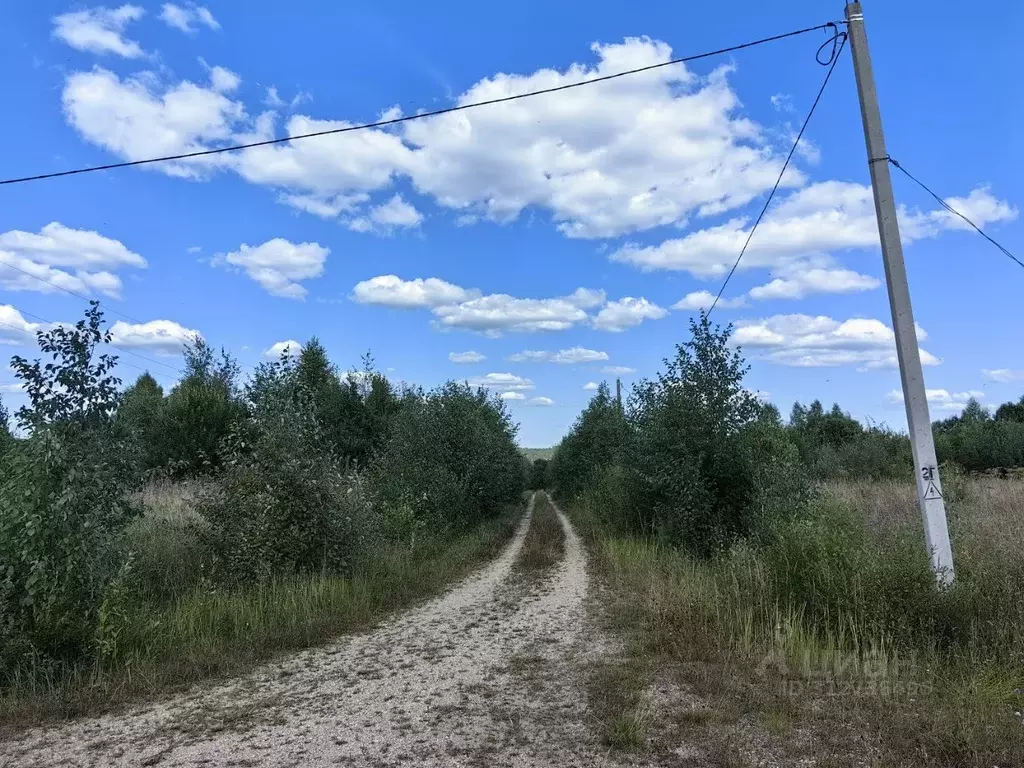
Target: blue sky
(558, 238)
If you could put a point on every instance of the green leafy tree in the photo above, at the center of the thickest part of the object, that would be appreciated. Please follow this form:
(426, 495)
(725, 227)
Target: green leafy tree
(1011, 412)
(6, 437)
(138, 416)
(977, 441)
(355, 411)
(199, 412)
(834, 444)
(538, 477)
(702, 445)
(595, 442)
(450, 462)
(63, 500)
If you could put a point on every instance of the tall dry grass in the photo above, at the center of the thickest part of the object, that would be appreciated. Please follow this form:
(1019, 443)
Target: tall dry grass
(837, 621)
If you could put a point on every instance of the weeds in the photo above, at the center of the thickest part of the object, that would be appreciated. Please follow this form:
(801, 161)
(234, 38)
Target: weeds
(836, 629)
(544, 544)
(617, 693)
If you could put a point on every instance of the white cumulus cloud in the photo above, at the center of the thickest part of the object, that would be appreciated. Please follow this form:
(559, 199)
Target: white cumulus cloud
(15, 330)
(512, 396)
(617, 157)
(164, 337)
(806, 341)
(1002, 375)
(508, 382)
(796, 240)
(278, 265)
(187, 17)
(99, 30)
(940, 399)
(137, 118)
(323, 168)
(618, 370)
(224, 80)
(626, 313)
(61, 257)
(542, 402)
(419, 293)
(466, 357)
(290, 347)
(570, 356)
(591, 386)
(499, 312)
(396, 213)
(820, 218)
(698, 300)
(803, 282)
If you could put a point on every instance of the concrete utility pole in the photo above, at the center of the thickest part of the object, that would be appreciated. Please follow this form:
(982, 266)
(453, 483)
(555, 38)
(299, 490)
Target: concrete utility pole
(929, 489)
(618, 392)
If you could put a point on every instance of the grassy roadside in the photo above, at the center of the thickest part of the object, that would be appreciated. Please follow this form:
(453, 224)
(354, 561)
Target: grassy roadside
(718, 663)
(544, 544)
(206, 634)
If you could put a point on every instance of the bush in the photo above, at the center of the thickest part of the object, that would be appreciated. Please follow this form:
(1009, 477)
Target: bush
(977, 441)
(282, 505)
(451, 462)
(538, 475)
(701, 451)
(835, 445)
(63, 501)
(7, 440)
(138, 417)
(356, 411)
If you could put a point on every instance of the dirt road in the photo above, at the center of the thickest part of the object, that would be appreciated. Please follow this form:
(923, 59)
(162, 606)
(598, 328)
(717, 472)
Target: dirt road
(489, 674)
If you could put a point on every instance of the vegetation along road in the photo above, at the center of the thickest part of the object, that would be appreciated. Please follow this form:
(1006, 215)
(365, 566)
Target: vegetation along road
(490, 673)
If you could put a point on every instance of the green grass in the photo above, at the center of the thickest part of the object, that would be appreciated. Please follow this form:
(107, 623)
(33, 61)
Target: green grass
(617, 700)
(544, 544)
(835, 629)
(162, 644)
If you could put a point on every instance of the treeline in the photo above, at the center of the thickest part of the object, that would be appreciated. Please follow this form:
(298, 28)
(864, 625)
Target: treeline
(304, 470)
(694, 455)
(835, 445)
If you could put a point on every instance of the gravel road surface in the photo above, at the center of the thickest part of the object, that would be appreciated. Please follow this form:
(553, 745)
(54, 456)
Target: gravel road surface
(492, 673)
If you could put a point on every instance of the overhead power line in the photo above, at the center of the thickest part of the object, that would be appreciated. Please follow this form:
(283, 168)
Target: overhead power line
(421, 115)
(952, 210)
(838, 42)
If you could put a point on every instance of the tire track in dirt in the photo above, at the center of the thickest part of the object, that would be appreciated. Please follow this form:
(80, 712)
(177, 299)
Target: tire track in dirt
(482, 675)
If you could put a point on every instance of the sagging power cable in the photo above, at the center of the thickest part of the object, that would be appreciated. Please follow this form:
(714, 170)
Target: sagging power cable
(837, 41)
(952, 210)
(422, 115)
